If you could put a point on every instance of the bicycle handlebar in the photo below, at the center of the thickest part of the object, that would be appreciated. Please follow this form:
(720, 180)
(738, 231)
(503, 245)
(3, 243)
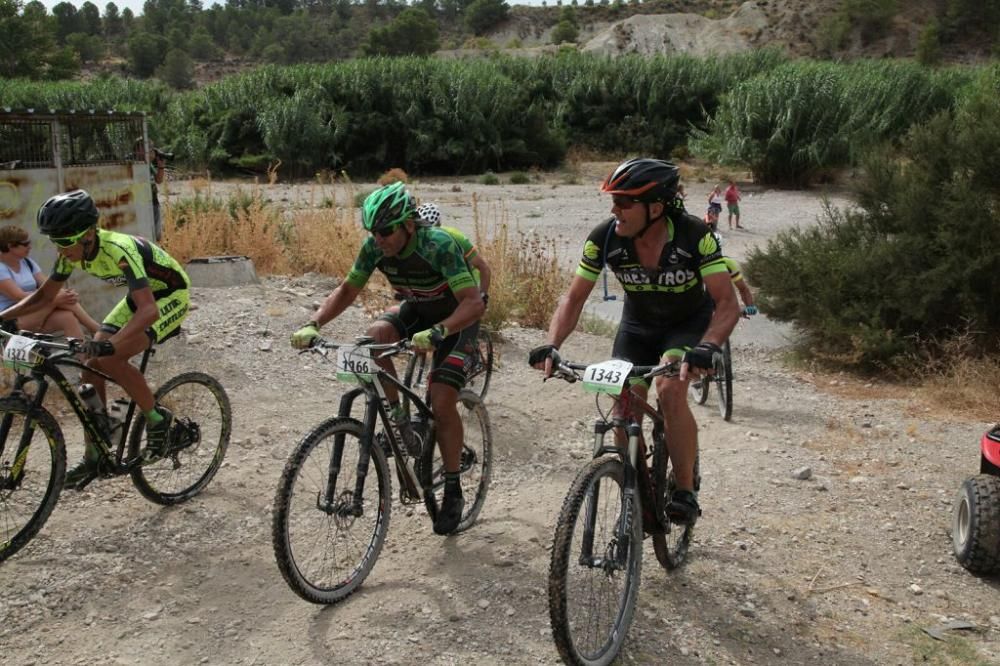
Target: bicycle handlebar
(321, 345)
(567, 370)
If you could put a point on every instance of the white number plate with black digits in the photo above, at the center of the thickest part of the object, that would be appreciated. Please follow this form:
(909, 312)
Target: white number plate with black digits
(19, 353)
(355, 364)
(607, 377)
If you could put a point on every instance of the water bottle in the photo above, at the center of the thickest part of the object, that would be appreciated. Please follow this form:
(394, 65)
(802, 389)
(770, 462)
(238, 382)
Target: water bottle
(116, 418)
(88, 394)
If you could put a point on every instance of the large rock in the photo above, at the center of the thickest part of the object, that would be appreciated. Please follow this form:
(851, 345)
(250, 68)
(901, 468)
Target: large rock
(681, 33)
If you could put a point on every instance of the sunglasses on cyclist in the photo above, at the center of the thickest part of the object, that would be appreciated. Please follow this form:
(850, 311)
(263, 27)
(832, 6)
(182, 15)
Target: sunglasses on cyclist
(623, 202)
(385, 232)
(26, 243)
(69, 241)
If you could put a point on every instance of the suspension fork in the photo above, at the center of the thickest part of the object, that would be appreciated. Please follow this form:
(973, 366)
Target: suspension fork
(601, 428)
(17, 468)
(333, 471)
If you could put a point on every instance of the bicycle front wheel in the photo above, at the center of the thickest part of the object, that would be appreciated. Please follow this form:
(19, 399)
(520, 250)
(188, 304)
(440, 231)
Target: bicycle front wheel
(594, 573)
(32, 470)
(199, 437)
(724, 382)
(329, 522)
(475, 465)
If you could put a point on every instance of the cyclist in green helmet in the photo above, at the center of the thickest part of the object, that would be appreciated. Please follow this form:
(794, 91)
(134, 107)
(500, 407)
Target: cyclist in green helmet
(440, 313)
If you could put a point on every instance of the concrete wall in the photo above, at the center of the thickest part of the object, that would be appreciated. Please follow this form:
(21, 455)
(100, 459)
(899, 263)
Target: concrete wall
(122, 192)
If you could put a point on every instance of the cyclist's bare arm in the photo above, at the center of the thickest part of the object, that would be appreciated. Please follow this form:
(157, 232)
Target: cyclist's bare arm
(745, 294)
(727, 309)
(485, 274)
(35, 301)
(470, 310)
(568, 311)
(338, 301)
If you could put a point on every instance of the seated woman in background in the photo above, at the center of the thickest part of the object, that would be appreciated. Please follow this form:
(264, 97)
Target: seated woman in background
(20, 275)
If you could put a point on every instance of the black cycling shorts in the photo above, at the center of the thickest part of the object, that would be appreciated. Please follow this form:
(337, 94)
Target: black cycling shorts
(642, 344)
(453, 359)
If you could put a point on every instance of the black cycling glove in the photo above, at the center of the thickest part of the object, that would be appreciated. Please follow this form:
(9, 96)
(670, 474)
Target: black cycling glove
(539, 354)
(702, 355)
(95, 348)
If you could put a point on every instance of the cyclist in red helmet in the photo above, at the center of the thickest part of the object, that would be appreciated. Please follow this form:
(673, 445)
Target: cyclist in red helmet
(678, 300)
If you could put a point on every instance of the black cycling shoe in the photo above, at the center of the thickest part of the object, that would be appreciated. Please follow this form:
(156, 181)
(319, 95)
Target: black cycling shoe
(82, 473)
(683, 508)
(450, 513)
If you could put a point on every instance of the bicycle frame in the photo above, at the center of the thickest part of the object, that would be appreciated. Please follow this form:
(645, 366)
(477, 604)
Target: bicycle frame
(48, 372)
(376, 407)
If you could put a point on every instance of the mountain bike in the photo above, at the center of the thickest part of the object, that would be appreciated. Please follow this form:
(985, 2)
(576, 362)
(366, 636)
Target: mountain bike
(330, 516)
(415, 375)
(723, 381)
(619, 496)
(33, 447)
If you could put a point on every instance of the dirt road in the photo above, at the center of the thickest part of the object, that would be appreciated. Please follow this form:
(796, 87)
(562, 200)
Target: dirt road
(848, 566)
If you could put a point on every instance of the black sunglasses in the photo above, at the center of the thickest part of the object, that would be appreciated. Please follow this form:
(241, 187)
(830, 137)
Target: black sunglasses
(624, 202)
(385, 232)
(26, 243)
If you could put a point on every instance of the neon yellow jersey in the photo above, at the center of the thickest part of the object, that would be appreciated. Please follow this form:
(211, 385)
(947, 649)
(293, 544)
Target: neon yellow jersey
(735, 273)
(123, 259)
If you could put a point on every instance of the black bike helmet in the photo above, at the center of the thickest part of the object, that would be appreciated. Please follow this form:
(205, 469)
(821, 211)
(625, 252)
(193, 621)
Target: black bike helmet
(67, 214)
(644, 179)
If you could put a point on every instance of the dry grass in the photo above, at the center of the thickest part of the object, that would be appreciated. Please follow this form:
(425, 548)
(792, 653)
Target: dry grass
(527, 280)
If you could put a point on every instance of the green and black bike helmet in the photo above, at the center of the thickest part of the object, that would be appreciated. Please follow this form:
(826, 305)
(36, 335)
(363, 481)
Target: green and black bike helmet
(644, 179)
(67, 214)
(387, 207)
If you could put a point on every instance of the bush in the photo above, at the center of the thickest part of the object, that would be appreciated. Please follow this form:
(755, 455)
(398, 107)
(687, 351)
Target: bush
(519, 178)
(914, 267)
(489, 178)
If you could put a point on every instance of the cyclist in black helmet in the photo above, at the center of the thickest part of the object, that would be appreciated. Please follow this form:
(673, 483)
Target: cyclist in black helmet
(678, 300)
(156, 304)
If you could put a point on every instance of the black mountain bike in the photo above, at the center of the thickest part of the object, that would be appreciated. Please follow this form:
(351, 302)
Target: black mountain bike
(618, 497)
(723, 381)
(33, 448)
(331, 514)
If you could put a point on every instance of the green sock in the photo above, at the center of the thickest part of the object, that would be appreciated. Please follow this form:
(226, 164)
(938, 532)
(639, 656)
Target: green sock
(154, 416)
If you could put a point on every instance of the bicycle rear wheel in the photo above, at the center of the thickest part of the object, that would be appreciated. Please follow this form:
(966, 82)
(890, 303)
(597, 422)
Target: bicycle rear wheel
(724, 382)
(482, 371)
(594, 579)
(476, 465)
(327, 528)
(31, 479)
(698, 389)
(198, 440)
(672, 547)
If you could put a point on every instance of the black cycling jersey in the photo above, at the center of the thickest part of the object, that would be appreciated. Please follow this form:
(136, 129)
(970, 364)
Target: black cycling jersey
(672, 292)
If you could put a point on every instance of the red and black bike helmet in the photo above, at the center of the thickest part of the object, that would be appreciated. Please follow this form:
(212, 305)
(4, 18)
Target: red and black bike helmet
(644, 179)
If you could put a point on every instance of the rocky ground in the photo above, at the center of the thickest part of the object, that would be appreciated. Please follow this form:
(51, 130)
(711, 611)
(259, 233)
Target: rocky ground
(824, 540)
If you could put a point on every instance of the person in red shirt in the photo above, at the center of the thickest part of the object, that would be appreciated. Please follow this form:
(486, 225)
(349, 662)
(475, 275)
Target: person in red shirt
(733, 203)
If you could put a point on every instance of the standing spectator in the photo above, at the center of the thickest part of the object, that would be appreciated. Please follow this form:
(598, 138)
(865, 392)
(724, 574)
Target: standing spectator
(715, 200)
(156, 173)
(733, 203)
(20, 275)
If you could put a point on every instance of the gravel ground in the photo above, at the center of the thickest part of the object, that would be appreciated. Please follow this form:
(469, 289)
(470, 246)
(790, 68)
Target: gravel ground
(824, 539)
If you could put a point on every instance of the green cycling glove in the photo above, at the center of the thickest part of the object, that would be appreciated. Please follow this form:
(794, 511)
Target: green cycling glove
(303, 338)
(429, 339)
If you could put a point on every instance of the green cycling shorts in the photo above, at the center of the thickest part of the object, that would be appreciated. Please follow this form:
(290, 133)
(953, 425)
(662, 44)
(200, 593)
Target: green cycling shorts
(173, 307)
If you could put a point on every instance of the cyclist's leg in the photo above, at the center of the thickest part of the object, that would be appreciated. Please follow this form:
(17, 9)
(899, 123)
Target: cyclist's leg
(395, 324)
(453, 360)
(682, 430)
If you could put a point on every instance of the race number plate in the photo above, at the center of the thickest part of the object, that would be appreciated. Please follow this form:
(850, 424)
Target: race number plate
(19, 353)
(355, 364)
(607, 377)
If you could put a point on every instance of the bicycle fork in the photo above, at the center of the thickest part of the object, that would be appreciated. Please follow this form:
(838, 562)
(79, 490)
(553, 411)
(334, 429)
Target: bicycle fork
(615, 555)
